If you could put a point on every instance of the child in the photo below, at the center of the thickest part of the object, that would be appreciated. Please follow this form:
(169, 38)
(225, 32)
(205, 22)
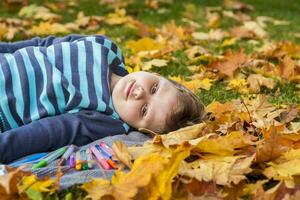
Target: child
(74, 90)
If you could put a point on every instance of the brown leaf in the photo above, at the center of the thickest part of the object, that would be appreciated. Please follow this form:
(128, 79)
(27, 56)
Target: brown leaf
(9, 182)
(231, 62)
(287, 68)
(278, 192)
(269, 148)
(241, 32)
(256, 81)
(290, 114)
(196, 190)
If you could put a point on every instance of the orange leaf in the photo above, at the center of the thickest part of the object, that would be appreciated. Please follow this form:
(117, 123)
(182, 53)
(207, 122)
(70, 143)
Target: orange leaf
(230, 63)
(270, 148)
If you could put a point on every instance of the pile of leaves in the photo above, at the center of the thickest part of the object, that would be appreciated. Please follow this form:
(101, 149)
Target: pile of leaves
(244, 149)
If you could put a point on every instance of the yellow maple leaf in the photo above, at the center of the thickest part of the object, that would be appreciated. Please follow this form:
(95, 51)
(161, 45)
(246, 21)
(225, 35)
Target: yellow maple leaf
(40, 185)
(150, 178)
(26, 183)
(144, 44)
(230, 142)
(181, 135)
(118, 17)
(229, 42)
(44, 185)
(46, 28)
(133, 69)
(223, 170)
(239, 84)
(195, 84)
(283, 171)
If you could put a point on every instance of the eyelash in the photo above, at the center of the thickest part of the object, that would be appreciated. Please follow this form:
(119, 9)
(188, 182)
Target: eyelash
(145, 107)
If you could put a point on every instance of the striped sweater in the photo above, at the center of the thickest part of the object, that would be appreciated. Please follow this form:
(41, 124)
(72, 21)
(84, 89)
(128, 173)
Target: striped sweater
(56, 91)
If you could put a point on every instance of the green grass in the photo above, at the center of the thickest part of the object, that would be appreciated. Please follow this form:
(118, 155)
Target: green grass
(217, 92)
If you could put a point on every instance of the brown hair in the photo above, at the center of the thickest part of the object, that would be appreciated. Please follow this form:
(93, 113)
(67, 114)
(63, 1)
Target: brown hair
(189, 110)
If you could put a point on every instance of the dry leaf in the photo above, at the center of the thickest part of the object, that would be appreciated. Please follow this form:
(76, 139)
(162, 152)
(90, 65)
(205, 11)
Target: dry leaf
(156, 63)
(287, 68)
(256, 81)
(122, 153)
(9, 182)
(230, 63)
(46, 28)
(269, 148)
(144, 44)
(118, 17)
(150, 178)
(222, 170)
(181, 135)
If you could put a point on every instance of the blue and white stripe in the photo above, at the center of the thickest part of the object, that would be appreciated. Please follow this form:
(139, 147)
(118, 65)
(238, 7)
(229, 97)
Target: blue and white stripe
(36, 82)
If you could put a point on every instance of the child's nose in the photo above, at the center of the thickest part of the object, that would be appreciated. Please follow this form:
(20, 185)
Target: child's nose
(138, 92)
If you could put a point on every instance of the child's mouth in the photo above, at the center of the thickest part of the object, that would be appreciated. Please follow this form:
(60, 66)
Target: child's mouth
(130, 89)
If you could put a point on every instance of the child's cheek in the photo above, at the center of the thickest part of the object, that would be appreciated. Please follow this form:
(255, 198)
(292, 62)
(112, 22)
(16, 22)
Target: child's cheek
(132, 113)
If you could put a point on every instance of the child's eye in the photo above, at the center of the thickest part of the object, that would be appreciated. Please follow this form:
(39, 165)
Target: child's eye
(154, 89)
(144, 110)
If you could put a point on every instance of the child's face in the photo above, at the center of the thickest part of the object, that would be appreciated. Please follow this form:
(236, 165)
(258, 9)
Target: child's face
(144, 100)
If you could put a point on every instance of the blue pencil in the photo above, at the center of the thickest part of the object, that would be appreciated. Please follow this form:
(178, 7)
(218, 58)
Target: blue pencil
(29, 159)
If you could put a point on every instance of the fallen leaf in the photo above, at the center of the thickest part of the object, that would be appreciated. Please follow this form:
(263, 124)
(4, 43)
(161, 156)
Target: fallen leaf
(181, 135)
(222, 170)
(118, 17)
(239, 84)
(46, 28)
(230, 63)
(155, 62)
(241, 32)
(143, 44)
(256, 28)
(151, 177)
(269, 148)
(213, 34)
(213, 20)
(255, 81)
(9, 182)
(287, 68)
(290, 114)
(122, 153)
(194, 84)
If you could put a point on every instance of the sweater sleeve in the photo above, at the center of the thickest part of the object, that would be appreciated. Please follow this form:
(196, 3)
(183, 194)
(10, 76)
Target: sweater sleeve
(50, 133)
(11, 47)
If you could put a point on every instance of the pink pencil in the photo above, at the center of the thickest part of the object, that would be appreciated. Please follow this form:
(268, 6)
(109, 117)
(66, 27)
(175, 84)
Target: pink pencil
(100, 158)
